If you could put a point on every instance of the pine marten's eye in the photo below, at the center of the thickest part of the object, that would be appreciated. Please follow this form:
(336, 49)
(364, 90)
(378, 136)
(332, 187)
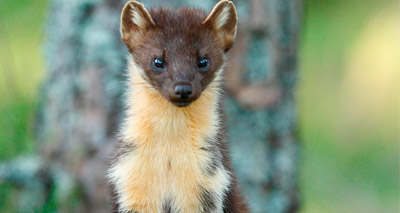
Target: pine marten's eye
(203, 63)
(158, 64)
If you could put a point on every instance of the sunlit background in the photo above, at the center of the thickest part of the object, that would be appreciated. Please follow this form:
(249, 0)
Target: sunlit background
(348, 99)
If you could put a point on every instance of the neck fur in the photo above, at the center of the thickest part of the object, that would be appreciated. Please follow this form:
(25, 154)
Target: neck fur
(152, 119)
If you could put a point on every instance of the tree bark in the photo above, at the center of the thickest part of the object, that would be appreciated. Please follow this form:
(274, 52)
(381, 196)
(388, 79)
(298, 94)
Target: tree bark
(261, 111)
(81, 100)
(81, 103)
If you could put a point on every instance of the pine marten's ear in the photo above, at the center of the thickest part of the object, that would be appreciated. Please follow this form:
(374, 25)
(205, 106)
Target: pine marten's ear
(223, 19)
(135, 19)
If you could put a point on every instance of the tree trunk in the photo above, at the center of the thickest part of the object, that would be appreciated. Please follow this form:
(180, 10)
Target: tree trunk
(81, 103)
(81, 99)
(262, 111)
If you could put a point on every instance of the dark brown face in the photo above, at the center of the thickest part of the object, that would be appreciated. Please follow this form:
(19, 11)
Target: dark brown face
(178, 50)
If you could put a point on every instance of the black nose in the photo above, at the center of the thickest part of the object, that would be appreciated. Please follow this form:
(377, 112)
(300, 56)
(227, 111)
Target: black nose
(183, 91)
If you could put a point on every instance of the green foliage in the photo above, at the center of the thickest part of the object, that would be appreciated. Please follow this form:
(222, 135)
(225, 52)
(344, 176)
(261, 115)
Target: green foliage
(15, 128)
(7, 197)
(21, 33)
(344, 170)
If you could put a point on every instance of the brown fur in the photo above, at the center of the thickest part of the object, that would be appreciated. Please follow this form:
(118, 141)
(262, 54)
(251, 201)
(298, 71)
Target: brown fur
(171, 158)
(194, 40)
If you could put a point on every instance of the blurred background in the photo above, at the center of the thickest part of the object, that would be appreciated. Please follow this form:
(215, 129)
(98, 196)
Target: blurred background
(347, 100)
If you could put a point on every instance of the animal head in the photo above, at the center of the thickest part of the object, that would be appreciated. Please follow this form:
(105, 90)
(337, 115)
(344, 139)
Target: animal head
(179, 52)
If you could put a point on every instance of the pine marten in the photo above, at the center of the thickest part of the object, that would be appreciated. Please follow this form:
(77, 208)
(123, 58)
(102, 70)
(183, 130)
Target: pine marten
(172, 156)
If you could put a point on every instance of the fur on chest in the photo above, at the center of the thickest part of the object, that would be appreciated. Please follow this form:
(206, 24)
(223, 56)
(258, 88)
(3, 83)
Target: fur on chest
(178, 179)
(170, 160)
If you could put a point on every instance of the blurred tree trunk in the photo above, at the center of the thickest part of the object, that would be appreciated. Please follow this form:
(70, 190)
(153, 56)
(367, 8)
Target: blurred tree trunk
(261, 116)
(81, 97)
(81, 100)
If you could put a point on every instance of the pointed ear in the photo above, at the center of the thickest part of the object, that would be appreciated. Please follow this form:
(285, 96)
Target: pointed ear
(135, 19)
(223, 20)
